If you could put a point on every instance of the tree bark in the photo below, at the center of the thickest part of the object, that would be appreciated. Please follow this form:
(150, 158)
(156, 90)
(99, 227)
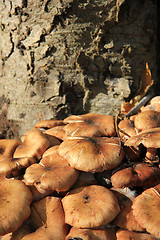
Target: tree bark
(63, 57)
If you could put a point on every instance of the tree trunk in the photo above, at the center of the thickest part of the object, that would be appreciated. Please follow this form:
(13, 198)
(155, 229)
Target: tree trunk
(63, 57)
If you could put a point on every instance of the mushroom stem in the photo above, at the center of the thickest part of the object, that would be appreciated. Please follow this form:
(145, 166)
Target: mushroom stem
(150, 94)
(151, 154)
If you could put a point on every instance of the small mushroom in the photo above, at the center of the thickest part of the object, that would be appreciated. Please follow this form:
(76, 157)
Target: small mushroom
(146, 209)
(150, 138)
(141, 174)
(13, 166)
(128, 235)
(92, 154)
(125, 218)
(57, 132)
(91, 234)
(34, 145)
(49, 123)
(51, 220)
(90, 206)
(147, 119)
(89, 125)
(53, 173)
(15, 200)
(7, 148)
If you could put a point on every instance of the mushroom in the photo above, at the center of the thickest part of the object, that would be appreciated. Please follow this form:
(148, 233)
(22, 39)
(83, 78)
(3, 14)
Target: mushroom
(91, 234)
(90, 206)
(125, 218)
(50, 150)
(126, 130)
(51, 220)
(34, 145)
(128, 235)
(7, 148)
(15, 200)
(89, 125)
(49, 123)
(147, 119)
(92, 154)
(149, 138)
(146, 209)
(53, 173)
(141, 174)
(13, 166)
(57, 132)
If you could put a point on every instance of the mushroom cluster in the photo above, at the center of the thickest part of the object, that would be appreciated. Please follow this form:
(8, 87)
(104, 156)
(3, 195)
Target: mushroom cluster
(87, 177)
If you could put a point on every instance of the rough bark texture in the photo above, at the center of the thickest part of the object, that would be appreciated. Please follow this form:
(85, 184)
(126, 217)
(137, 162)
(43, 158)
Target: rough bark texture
(62, 57)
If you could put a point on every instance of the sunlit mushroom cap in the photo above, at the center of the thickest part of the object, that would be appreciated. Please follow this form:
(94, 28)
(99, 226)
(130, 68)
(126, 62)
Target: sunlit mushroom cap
(91, 234)
(34, 145)
(141, 174)
(126, 129)
(146, 209)
(150, 138)
(58, 132)
(15, 200)
(53, 173)
(147, 119)
(50, 150)
(155, 99)
(51, 215)
(89, 125)
(125, 218)
(92, 154)
(13, 166)
(7, 148)
(153, 107)
(128, 235)
(48, 123)
(91, 206)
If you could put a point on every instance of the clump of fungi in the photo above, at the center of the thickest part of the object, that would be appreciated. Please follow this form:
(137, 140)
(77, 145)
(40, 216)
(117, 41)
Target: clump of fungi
(86, 177)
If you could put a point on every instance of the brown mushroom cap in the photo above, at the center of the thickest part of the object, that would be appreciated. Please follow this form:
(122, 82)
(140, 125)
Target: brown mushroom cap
(126, 129)
(53, 173)
(154, 107)
(92, 154)
(58, 132)
(141, 174)
(90, 234)
(15, 165)
(146, 209)
(34, 145)
(150, 138)
(155, 99)
(15, 200)
(125, 218)
(91, 206)
(89, 125)
(7, 148)
(147, 119)
(51, 215)
(49, 123)
(128, 235)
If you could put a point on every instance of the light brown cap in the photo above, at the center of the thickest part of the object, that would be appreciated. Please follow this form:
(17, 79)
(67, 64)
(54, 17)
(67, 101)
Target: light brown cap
(7, 148)
(51, 213)
(128, 235)
(13, 166)
(92, 154)
(91, 206)
(147, 119)
(48, 123)
(15, 200)
(146, 209)
(91, 234)
(140, 174)
(34, 145)
(53, 173)
(58, 132)
(125, 218)
(150, 138)
(89, 125)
